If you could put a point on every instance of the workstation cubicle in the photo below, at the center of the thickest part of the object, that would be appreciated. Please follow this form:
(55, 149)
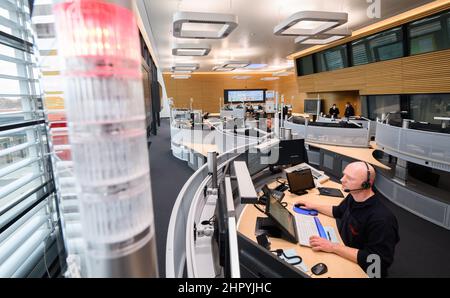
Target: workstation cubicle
(194, 241)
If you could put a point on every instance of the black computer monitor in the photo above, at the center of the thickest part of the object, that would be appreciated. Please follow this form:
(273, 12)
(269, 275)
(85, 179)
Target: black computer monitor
(221, 232)
(291, 152)
(300, 181)
(255, 162)
(281, 219)
(257, 261)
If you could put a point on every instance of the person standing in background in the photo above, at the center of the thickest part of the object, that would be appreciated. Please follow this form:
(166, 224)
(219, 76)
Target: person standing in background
(349, 110)
(334, 111)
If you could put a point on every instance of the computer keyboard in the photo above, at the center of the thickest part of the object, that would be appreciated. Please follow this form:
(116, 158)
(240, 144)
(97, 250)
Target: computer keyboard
(306, 227)
(319, 176)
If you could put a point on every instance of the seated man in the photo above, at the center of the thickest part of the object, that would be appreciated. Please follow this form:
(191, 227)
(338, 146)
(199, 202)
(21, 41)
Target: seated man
(366, 226)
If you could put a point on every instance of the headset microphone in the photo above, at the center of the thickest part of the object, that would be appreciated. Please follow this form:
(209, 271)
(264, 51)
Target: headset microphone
(349, 190)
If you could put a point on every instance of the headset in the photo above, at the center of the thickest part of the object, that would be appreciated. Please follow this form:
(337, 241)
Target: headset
(366, 184)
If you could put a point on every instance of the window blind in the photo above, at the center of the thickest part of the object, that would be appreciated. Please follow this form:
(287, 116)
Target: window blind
(27, 216)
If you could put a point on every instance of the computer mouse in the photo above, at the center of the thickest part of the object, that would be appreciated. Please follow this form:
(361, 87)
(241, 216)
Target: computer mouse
(319, 269)
(299, 208)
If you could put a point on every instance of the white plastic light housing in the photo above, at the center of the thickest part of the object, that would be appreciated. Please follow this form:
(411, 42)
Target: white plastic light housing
(203, 25)
(185, 66)
(269, 78)
(104, 100)
(175, 76)
(310, 23)
(191, 50)
(324, 38)
(235, 64)
(220, 68)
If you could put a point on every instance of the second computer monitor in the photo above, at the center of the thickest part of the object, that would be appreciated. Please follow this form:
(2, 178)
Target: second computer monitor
(292, 152)
(300, 181)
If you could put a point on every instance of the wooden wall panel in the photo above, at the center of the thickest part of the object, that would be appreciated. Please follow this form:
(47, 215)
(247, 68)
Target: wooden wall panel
(382, 78)
(206, 89)
(339, 98)
(427, 73)
(424, 73)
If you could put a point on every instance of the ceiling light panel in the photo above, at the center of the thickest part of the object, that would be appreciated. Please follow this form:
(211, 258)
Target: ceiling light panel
(269, 78)
(203, 25)
(185, 67)
(235, 64)
(256, 66)
(191, 50)
(324, 38)
(310, 23)
(220, 68)
(182, 71)
(180, 77)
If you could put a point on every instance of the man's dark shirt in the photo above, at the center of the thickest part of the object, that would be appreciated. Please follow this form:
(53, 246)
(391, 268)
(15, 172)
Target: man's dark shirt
(369, 227)
(349, 111)
(334, 112)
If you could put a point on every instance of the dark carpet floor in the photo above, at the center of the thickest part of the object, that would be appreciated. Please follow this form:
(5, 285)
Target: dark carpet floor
(168, 175)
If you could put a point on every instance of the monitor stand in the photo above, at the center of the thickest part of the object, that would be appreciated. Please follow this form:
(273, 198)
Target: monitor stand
(299, 192)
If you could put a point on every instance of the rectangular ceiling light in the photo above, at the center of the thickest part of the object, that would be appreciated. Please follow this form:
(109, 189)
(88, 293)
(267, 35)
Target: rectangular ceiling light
(324, 38)
(203, 25)
(185, 66)
(191, 50)
(182, 71)
(256, 66)
(220, 68)
(235, 64)
(269, 78)
(183, 77)
(310, 23)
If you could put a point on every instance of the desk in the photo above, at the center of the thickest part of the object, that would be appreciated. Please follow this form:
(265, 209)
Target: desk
(201, 148)
(443, 121)
(363, 154)
(337, 266)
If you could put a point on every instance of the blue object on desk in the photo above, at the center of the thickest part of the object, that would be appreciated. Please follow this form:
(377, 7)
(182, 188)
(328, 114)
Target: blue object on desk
(299, 209)
(320, 228)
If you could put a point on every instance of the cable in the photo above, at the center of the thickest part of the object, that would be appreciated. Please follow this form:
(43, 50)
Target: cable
(45, 254)
(280, 252)
(259, 209)
(209, 221)
(282, 182)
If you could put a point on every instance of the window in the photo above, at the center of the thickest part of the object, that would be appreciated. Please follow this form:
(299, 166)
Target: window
(305, 65)
(26, 185)
(379, 47)
(424, 107)
(332, 59)
(381, 104)
(429, 34)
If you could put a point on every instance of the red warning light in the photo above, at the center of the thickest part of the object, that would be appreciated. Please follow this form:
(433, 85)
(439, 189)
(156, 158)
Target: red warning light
(99, 38)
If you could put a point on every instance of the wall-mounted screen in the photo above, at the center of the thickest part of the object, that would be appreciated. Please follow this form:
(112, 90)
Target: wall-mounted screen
(313, 106)
(244, 95)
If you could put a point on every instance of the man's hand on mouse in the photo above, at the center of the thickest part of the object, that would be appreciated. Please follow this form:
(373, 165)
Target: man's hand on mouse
(320, 244)
(305, 204)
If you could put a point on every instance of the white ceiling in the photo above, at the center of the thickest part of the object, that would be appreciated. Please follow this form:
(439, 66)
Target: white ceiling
(253, 40)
